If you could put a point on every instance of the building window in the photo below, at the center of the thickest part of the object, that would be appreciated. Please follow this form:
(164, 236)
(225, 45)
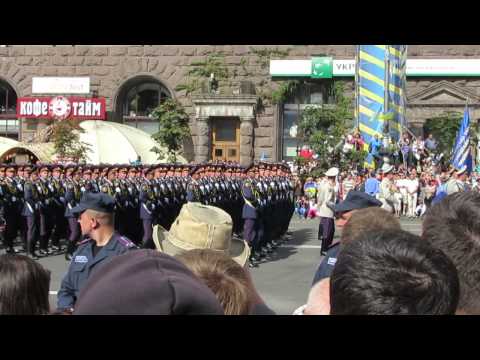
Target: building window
(143, 99)
(308, 93)
(9, 125)
(137, 99)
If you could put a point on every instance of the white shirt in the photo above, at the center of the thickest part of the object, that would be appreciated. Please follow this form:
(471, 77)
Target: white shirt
(412, 185)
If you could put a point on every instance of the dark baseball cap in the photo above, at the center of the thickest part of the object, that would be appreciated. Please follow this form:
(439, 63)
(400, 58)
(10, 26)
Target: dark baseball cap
(95, 201)
(146, 282)
(356, 200)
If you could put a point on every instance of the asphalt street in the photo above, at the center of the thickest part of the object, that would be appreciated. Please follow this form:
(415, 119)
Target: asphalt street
(283, 282)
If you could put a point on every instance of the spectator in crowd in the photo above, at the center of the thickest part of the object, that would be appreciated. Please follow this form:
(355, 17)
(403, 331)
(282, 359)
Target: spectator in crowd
(412, 186)
(310, 188)
(358, 141)
(226, 278)
(318, 302)
(453, 226)
(24, 286)
(361, 214)
(146, 282)
(302, 207)
(372, 185)
(298, 190)
(347, 185)
(393, 273)
(405, 150)
(101, 245)
(201, 227)
(374, 149)
(431, 145)
(429, 190)
(205, 227)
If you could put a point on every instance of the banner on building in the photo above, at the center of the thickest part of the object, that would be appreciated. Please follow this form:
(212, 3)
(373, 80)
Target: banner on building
(61, 108)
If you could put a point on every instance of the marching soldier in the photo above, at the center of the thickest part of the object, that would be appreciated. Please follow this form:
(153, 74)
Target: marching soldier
(31, 210)
(58, 205)
(45, 204)
(13, 205)
(147, 208)
(73, 194)
(250, 217)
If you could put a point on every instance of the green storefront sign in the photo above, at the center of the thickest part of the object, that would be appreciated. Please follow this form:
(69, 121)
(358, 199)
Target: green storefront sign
(322, 67)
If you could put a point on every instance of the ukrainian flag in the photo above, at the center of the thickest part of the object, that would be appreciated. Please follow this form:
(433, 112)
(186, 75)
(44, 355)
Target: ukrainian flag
(377, 66)
(370, 92)
(397, 69)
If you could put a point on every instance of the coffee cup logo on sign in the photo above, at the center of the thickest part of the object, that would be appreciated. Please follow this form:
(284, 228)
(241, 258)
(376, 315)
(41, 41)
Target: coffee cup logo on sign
(59, 108)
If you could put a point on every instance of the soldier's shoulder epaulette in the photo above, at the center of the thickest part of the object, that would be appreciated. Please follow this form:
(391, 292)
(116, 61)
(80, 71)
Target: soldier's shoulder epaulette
(83, 242)
(126, 242)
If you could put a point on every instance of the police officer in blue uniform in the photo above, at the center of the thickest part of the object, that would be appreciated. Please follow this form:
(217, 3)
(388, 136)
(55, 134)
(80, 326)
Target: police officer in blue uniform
(102, 243)
(355, 200)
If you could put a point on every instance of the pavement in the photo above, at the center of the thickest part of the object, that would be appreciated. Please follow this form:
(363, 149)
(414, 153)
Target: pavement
(283, 282)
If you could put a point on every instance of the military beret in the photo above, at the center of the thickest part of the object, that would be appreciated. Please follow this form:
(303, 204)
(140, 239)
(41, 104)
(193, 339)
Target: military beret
(11, 167)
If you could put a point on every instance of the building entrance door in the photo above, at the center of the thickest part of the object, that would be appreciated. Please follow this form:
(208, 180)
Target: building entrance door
(226, 139)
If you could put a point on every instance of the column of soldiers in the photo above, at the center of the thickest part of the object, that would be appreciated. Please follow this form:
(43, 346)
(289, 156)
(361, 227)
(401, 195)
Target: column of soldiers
(36, 201)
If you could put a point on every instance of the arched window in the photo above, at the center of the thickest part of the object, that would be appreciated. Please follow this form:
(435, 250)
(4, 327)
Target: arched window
(137, 99)
(8, 113)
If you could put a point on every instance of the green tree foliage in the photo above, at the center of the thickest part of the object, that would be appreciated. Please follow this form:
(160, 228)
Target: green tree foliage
(200, 71)
(173, 128)
(66, 139)
(444, 129)
(324, 128)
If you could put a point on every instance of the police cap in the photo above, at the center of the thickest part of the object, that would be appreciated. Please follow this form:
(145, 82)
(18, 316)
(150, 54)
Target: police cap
(95, 201)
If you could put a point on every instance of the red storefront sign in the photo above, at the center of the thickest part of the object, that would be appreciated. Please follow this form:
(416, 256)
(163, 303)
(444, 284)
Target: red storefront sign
(61, 107)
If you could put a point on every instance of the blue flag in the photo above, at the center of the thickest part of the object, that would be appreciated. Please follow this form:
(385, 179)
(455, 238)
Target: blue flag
(461, 152)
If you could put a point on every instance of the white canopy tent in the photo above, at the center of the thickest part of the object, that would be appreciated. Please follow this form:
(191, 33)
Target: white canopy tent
(109, 143)
(113, 143)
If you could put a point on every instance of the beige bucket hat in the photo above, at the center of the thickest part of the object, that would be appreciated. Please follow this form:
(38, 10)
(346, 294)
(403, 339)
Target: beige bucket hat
(201, 227)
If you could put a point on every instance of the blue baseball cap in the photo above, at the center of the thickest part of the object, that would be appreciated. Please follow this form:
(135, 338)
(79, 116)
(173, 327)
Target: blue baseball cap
(356, 200)
(99, 202)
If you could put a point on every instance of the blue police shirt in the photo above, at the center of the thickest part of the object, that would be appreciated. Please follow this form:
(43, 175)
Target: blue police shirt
(372, 186)
(328, 263)
(84, 263)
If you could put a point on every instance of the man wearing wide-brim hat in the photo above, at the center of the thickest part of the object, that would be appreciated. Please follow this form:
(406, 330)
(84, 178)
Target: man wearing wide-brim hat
(387, 191)
(326, 198)
(201, 227)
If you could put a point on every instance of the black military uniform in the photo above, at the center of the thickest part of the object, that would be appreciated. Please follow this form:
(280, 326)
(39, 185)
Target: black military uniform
(73, 196)
(13, 205)
(58, 207)
(31, 211)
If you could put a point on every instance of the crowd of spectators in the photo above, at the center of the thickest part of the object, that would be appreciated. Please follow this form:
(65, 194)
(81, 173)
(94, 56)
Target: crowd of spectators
(376, 268)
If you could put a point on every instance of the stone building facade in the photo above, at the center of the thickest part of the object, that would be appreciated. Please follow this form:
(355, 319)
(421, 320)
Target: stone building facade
(257, 129)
